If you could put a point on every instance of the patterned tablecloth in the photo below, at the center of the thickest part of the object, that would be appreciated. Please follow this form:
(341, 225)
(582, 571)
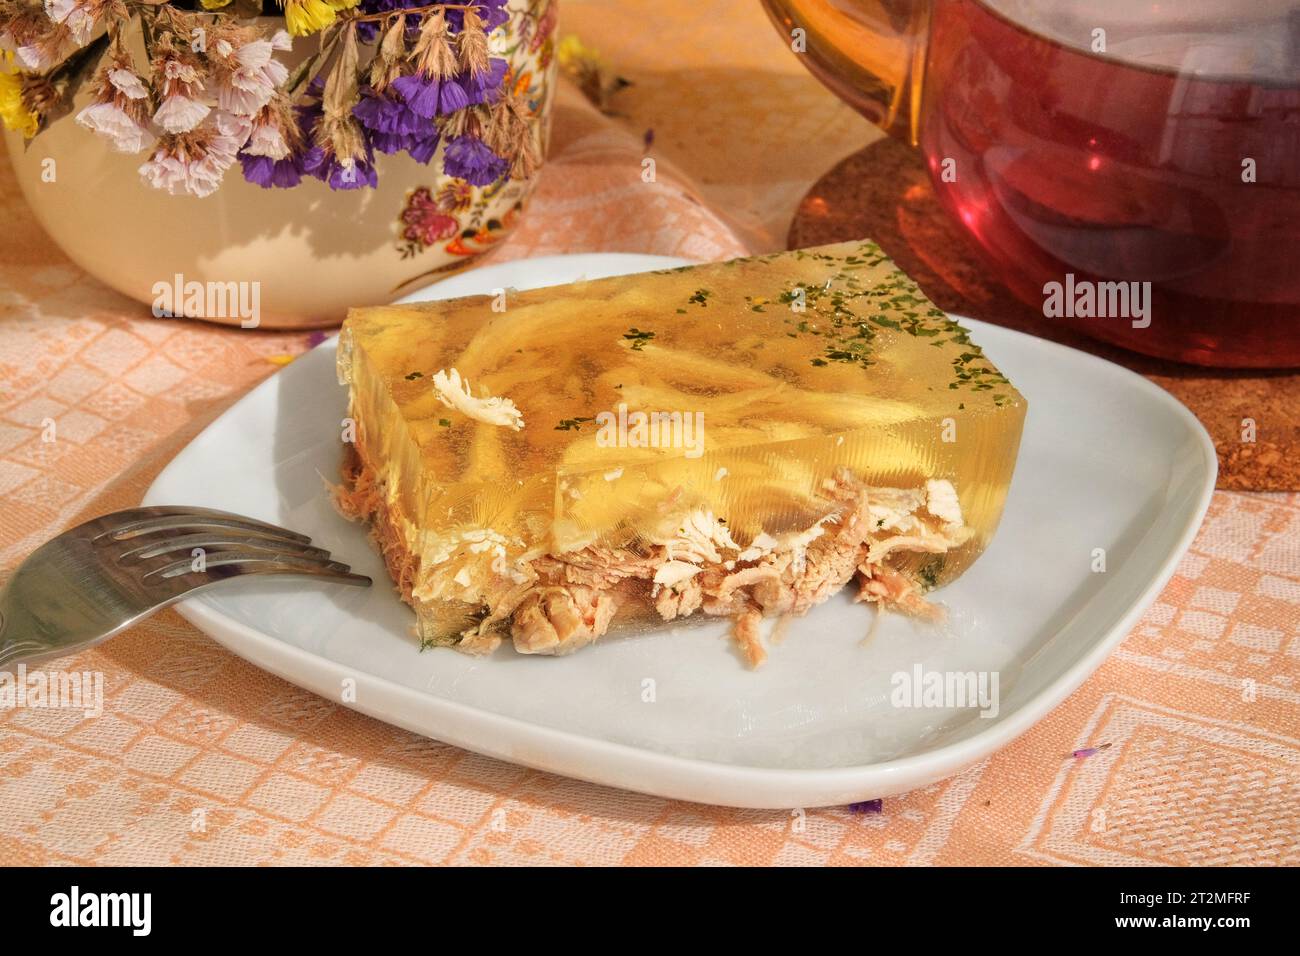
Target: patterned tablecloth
(199, 757)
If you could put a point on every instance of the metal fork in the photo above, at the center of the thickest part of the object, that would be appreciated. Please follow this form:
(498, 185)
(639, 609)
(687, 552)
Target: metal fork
(99, 578)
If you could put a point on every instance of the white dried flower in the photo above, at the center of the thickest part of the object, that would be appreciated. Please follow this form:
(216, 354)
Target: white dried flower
(492, 410)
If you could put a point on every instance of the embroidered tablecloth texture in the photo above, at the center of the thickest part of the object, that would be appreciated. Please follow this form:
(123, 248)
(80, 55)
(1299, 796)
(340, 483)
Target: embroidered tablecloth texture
(202, 758)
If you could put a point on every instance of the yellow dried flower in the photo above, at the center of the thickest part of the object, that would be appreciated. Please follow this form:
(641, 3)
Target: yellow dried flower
(589, 71)
(304, 17)
(575, 57)
(13, 111)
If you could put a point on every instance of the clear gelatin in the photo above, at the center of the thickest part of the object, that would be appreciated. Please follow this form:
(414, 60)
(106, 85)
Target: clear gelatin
(765, 406)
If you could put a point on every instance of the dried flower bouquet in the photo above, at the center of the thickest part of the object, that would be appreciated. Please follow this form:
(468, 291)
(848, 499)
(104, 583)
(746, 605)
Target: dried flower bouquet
(387, 76)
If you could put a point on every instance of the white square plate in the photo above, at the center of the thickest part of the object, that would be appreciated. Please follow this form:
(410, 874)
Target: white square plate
(1108, 461)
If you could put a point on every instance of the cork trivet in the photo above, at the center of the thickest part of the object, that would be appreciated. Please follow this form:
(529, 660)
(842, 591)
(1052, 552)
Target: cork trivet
(883, 192)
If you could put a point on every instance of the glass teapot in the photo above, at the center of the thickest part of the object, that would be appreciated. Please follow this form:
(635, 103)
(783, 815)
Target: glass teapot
(1131, 167)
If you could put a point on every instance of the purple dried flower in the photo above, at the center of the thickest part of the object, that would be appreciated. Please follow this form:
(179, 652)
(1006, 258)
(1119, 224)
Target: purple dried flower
(422, 149)
(430, 96)
(385, 114)
(288, 172)
(380, 114)
(401, 119)
(420, 93)
(272, 173)
(451, 97)
(1088, 751)
(388, 143)
(468, 158)
(867, 806)
(486, 86)
(391, 126)
(327, 168)
(493, 13)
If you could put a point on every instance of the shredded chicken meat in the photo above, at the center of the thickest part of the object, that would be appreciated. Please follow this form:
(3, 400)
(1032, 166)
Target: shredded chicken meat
(558, 603)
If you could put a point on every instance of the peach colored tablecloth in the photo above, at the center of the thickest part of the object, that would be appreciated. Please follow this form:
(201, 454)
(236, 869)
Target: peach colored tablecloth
(1197, 770)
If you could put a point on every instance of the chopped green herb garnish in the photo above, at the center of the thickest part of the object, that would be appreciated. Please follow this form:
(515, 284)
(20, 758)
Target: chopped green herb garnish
(929, 573)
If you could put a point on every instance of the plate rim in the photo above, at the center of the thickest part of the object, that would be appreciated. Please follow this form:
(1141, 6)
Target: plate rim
(691, 778)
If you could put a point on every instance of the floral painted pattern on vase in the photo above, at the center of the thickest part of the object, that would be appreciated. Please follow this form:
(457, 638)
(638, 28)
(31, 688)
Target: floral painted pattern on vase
(456, 218)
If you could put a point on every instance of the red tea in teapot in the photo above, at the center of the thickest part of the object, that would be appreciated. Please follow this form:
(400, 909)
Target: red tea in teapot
(1138, 149)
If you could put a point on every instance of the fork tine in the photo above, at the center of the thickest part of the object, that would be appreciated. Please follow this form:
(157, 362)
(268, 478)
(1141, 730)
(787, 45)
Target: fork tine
(251, 562)
(100, 577)
(137, 521)
(151, 544)
(18, 649)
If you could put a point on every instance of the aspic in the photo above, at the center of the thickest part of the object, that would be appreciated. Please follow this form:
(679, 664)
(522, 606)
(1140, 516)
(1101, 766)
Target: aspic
(852, 432)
